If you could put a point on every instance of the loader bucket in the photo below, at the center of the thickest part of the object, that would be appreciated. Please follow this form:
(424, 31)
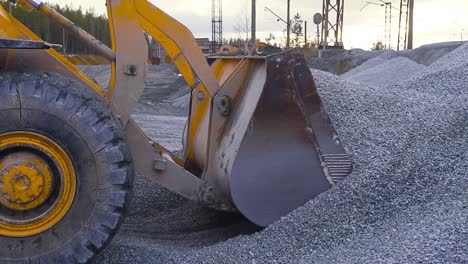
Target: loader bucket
(290, 151)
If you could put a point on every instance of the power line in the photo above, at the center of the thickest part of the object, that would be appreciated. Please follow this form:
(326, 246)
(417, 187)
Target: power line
(288, 25)
(388, 20)
(254, 22)
(287, 22)
(288, 35)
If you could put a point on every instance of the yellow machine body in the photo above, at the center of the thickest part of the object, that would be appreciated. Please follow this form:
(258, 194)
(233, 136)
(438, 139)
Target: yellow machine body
(258, 139)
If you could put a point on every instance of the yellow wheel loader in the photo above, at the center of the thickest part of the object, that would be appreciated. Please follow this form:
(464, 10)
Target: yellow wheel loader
(258, 140)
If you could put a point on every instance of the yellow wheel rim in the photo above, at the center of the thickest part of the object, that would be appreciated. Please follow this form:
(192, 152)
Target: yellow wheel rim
(37, 184)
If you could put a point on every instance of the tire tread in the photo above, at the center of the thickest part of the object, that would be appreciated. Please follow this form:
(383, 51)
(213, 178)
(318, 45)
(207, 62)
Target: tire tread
(84, 108)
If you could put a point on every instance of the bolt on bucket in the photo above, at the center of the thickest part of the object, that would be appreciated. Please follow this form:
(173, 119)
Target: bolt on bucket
(272, 144)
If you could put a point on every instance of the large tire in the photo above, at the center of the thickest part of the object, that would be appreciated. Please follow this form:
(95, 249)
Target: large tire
(81, 124)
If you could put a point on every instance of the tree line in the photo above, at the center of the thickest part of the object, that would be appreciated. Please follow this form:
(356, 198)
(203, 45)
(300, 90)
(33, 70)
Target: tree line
(49, 31)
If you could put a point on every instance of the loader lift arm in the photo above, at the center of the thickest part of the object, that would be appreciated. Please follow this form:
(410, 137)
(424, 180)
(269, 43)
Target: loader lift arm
(25, 44)
(128, 20)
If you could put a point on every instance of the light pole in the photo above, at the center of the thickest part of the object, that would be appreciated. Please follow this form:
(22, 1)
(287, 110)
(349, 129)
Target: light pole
(288, 38)
(410, 24)
(254, 22)
(305, 33)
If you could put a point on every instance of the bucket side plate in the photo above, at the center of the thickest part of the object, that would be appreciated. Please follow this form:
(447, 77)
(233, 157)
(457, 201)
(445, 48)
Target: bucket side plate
(290, 151)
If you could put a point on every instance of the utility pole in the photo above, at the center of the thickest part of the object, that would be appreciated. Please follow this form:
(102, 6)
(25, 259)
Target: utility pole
(64, 41)
(254, 22)
(388, 24)
(216, 24)
(288, 38)
(10, 8)
(332, 26)
(403, 25)
(406, 24)
(305, 33)
(410, 23)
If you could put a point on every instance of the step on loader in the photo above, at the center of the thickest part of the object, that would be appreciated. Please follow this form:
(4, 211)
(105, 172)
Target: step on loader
(258, 140)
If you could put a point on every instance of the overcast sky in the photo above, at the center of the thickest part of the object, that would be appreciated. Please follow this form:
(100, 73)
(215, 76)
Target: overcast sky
(435, 20)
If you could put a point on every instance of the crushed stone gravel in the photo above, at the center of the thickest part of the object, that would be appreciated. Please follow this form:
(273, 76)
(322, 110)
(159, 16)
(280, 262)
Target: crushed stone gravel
(162, 225)
(340, 62)
(166, 130)
(428, 54)
(365, 66)
(405, 202)
(387, 73)
(444, 77)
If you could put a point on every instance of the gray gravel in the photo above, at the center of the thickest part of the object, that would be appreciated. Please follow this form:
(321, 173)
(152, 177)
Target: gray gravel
(365, 66)
(447, 76)
(340, 62)
(166, 130)
(161, 225)
(428, 54)
(387, 73)
(405, 202)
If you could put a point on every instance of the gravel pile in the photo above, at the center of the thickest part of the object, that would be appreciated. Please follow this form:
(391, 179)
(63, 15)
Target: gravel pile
(179, 88)
(428, 54)
(342, 62)
(365, 66)
(406, 200)
(385, 74)
(444, 77)
(166, 130)
(98, 73)
(348, 59)
(161, 226)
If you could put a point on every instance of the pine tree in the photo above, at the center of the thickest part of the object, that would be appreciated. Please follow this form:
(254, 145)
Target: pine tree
(49, 31)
